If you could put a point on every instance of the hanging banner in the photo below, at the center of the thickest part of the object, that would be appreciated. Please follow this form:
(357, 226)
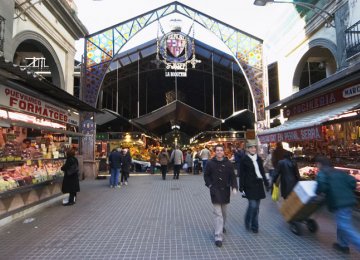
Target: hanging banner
(296, 135)
(21, 102)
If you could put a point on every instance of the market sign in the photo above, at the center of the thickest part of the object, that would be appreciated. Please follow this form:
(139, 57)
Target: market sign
(351, 91)
(18, 101)
(176, 51)
(296, 135)
(323, 100)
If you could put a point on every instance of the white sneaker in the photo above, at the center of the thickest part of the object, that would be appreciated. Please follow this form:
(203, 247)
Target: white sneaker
(126, 183)
(111, 186)
(117, 186)
(121, 184)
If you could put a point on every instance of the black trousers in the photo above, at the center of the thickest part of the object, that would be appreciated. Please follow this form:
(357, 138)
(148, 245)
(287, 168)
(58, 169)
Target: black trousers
(124, 176)
(177, 168)
(71, 197)
(163, 171)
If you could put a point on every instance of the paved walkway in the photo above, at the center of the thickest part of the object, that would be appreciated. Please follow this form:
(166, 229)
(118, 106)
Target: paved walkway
(155, 219)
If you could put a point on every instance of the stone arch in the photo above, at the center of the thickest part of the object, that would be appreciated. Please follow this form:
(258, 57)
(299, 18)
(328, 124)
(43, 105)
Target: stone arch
(102, 46)
(322, 43)
(48, 51)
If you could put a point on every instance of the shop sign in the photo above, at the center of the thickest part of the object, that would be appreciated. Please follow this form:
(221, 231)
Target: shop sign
(296, 135)
(351, 91)
(322, 100)
(21, 102)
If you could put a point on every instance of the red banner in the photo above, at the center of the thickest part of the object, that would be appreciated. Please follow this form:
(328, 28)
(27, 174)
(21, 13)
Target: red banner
(296, 135)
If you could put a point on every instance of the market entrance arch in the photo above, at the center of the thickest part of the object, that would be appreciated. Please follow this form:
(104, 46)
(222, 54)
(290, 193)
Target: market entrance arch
(101, 47)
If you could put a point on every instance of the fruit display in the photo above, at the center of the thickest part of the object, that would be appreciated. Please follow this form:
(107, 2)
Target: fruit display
(308, 173)
(29, 172)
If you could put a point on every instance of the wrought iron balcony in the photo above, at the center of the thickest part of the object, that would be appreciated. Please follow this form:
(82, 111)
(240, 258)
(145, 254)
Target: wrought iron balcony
(2, 34)
(352, 38)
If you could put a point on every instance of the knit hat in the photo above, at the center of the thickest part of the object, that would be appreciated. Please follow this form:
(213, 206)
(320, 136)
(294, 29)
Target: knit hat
(251, 142)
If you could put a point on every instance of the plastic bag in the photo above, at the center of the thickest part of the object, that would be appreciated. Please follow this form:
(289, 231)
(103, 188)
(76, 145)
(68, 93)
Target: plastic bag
(185, 166)
(275, 193)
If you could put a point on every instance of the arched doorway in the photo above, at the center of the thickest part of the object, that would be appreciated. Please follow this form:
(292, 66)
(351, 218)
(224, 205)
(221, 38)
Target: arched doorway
(316, 64)
(35, 53)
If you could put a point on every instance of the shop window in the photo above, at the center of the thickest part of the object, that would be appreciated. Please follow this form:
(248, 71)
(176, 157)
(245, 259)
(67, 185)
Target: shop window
(311, 73)
(273, 87)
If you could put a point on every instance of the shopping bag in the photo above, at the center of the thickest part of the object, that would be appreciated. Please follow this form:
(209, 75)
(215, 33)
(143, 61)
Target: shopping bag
(185, 166)
(275, 193)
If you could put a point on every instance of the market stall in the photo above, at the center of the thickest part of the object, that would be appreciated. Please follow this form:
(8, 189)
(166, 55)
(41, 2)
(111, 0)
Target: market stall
(139, 144)
(325, 123)
(229, 139)
(38, 123)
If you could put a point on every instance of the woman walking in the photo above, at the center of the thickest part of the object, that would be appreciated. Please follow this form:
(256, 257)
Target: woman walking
(288, 173)
(164, 161)
(252, 180)
(71, 177)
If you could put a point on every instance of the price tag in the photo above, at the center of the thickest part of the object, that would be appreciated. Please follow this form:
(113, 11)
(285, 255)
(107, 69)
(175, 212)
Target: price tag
(28, 162)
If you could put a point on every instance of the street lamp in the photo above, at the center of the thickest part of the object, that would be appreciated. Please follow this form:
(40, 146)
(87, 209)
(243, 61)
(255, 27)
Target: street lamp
(321, 12)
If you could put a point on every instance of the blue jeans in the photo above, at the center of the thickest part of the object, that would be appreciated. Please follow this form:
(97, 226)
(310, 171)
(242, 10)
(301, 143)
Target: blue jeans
(252, 215)
(114, 178)
(346, 234)
(204, 165)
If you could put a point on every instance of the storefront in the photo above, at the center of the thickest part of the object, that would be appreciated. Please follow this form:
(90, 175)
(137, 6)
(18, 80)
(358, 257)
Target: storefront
(38, 123)
(323, 120)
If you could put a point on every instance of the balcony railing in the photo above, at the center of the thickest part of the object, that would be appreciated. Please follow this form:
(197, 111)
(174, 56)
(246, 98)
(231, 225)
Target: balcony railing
(352, 37)
(2, 35)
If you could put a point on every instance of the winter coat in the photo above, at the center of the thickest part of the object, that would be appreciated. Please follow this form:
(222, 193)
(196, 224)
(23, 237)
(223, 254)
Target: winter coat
(338, 187)
(126, 162)
(289, 175)
(115, 159)
(249, 182)
(71, 175)
(220, 177)
(177, 156)
(164, 158)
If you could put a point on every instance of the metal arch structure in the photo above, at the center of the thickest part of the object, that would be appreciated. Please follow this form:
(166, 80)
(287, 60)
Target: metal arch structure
(101, 48)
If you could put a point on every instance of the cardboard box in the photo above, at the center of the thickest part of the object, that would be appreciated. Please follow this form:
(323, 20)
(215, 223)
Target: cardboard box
(298, 205)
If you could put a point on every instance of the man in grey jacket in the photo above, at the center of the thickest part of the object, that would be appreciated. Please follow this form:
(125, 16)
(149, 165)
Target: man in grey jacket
(178, 159)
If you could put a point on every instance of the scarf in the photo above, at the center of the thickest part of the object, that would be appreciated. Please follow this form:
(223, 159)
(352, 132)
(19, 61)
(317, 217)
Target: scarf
(256, 166)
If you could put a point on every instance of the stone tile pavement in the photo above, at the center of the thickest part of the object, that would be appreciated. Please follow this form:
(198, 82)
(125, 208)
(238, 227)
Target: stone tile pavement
(155, 219)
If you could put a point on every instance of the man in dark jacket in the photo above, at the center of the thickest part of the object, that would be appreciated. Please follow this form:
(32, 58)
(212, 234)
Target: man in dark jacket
(339, 190)
(115, 159)
(220, 177)
(288, 173)
(252, 180)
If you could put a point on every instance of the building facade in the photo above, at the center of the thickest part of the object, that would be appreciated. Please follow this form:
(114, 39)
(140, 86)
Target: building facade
(41, 35)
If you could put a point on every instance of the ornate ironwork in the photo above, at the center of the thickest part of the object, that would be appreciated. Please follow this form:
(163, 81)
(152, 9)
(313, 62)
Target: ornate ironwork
(101, 47)
(352, 38)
